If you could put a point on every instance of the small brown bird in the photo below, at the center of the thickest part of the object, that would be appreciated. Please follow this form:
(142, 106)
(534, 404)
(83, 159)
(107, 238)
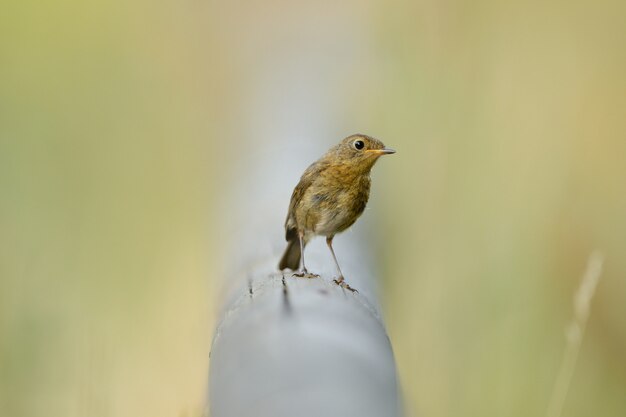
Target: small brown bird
(331, 195)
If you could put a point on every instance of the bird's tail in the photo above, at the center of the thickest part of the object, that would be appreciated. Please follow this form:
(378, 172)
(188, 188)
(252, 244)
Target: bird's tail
(291, 258)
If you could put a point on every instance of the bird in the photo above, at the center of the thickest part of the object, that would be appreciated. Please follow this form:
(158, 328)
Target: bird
(330, 197)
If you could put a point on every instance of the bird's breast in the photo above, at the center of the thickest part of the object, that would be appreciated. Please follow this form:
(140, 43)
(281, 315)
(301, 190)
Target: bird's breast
(333, 203)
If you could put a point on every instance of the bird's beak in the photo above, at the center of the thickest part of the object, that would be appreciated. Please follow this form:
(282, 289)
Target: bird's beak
(378, 152)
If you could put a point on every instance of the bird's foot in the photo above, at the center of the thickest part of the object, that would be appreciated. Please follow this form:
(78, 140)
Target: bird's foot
(343, 284)
(305, 274)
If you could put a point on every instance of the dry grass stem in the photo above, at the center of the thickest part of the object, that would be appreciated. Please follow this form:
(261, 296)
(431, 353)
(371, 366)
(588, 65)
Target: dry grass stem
(575, 332)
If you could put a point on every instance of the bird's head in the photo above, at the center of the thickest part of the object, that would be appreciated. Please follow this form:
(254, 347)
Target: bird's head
(360, 151)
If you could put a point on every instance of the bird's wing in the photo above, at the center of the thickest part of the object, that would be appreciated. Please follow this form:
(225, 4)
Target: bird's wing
(308, 177)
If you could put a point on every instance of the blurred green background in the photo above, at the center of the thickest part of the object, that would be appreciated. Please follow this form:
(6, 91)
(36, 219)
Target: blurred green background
(121, 135)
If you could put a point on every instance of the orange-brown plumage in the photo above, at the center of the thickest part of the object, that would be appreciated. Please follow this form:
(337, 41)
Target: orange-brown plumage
(331, 195)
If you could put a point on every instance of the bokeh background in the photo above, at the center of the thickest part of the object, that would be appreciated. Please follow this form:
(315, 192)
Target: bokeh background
(127, 127)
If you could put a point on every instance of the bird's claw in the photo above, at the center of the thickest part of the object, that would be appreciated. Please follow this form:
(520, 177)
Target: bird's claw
(305, 274)
(343, 284)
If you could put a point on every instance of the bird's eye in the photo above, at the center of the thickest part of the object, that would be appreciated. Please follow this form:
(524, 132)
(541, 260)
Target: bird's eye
(359, 144)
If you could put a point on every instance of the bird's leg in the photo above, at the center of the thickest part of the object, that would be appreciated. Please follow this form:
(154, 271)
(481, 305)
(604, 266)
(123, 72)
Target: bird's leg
(329, 242)
(301, 238)
(303, 271)
(339, 281)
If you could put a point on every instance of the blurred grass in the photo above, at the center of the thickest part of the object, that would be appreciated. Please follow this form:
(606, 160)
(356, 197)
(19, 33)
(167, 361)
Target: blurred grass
(122, 125)
(106, 177)
(513, 172)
